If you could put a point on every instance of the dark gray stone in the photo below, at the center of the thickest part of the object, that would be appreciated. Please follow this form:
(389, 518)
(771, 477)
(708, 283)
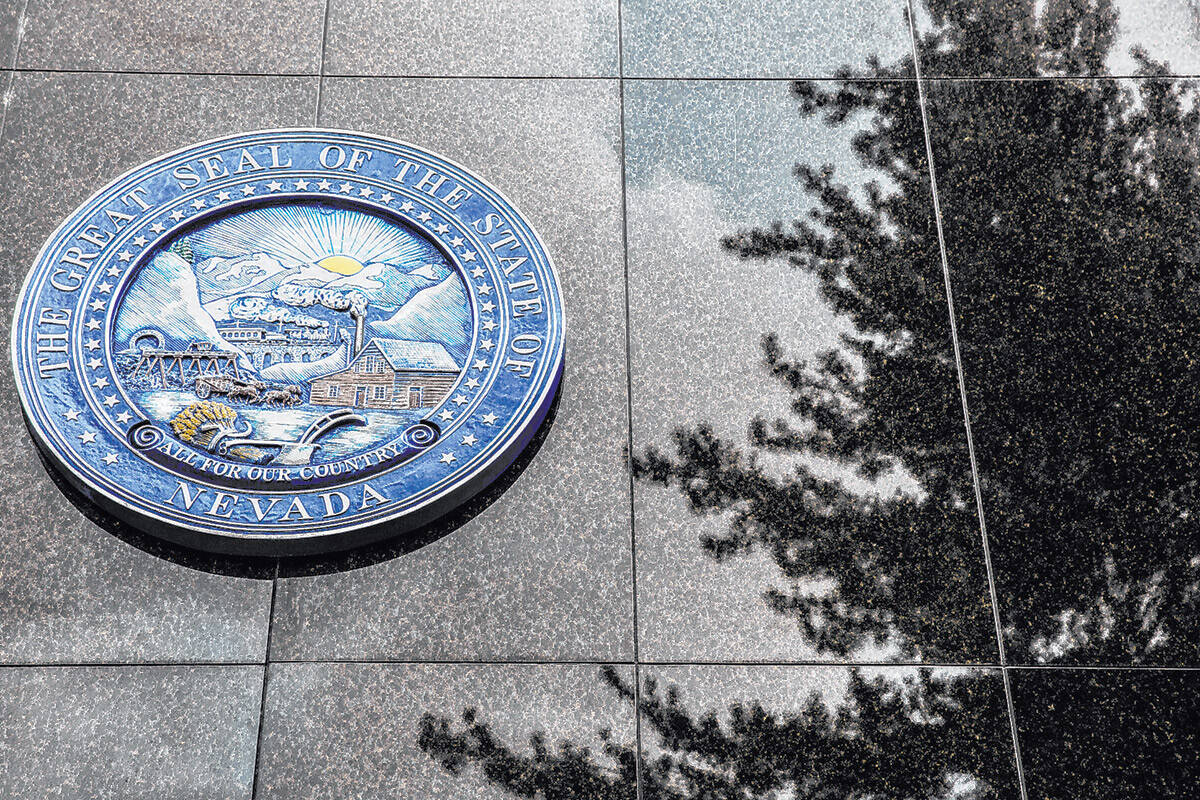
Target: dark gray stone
(831, 731)
(705, 161)
(427, 37)
(759, 39)
(238, 36)
(351, 730)
(544, 572)
(10, 17)
(69, 590)
(160, 733)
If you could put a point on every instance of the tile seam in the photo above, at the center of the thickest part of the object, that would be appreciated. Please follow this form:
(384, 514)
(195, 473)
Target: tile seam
(633, 565)
(966, 411)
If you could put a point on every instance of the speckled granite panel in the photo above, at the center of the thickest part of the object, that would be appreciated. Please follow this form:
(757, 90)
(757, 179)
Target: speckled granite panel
(225, 36)
(736, 731)
(10, 16)
(69, 590)
(759, 38)
(442, 730)
(544, 571)
(1013, 38)
(1109, 735)
(1071, 225)
(756, 541)
(120, 733)
(575, 38)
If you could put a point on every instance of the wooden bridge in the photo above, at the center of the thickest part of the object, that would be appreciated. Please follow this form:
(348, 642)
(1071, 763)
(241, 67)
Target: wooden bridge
(194, 362)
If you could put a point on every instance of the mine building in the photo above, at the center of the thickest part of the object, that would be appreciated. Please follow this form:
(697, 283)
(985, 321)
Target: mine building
(389, 374)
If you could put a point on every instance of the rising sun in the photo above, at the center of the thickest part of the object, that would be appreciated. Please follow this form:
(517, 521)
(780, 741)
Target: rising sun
(342, 265)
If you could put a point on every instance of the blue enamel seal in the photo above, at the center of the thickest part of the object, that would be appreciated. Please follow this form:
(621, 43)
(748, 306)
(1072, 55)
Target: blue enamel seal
(288, 341)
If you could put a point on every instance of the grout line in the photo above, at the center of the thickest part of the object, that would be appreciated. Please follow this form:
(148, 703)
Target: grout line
(896, 665)
(633, 565)
(966, 411)
(6, 100)
(266, 666)
(321, 66)
(21, 17)
(636, 79)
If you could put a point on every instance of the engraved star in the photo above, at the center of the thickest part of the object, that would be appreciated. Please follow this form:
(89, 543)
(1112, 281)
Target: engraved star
(97, 305)
(124, 417)
(248, 190)
(124, 255)
(100, 383)
(487, 344)
(447, 458)
(222, 195)
(110, 459)
(94, 363)
(198, 204)
(365, 192)
(472, 383)
(92, 344)
(140, 241)
(484, 290)
(72, 415)
(114, 272)
(324, 186)
(468, 256)
(345, 188)
(93, 325)
(442, 227)
(480, 364)
(446, 416)
(274, 186)
(459, 400)
(469, 439)
(111, 400)
(301, 184)
(489, 326)
(87, 438)
(488, 308)
(457, 241)
(489, 419)
(177, 215)
(387, 197)
(477, 272)
(406, 206)
(157, 227)
(104, 288)
(424, 216)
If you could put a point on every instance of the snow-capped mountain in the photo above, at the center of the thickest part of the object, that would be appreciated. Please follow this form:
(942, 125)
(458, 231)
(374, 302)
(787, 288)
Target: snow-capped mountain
(165, 298)
(435, 314)
(387, 286)
(218, 277)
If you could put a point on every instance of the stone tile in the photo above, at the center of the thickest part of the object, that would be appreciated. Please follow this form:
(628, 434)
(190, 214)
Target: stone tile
(544, 571)
(760, 38)
(1071, 243)
(373, 730)
(69, 590)
(10, 18)
(574, 38)
(160, 733)
(228, 36)
(708, 161)
(826, 732)
(1108, 735)
(1012, 38)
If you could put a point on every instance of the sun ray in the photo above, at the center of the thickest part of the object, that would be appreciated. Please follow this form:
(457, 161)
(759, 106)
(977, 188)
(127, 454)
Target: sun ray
(309, 234)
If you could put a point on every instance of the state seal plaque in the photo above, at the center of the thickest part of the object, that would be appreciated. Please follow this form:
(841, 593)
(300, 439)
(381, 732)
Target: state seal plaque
(288, 341)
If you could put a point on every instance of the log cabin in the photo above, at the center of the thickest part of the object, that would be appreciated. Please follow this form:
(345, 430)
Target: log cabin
(392, 374)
